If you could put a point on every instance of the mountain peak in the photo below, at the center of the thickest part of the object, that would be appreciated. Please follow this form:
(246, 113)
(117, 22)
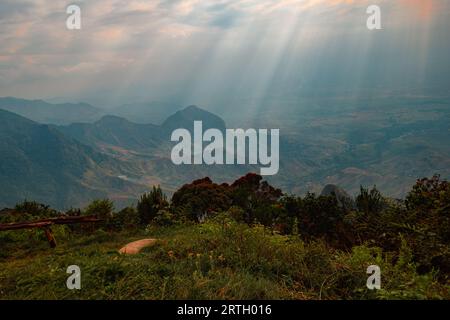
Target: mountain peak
(192, 108)
(185, 119)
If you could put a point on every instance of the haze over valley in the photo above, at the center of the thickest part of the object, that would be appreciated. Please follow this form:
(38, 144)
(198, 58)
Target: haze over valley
(345, 142)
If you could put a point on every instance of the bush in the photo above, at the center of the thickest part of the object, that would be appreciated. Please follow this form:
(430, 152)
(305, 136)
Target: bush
(126, 218)
(369, 201)
(236, 213)
(199, 199)
(322, 217)
(165, 218)
(32, 210)
(252, 244)
(102, 209)
(150, 203)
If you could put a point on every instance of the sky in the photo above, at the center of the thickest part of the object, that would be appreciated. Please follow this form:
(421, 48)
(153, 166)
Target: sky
(220, 52)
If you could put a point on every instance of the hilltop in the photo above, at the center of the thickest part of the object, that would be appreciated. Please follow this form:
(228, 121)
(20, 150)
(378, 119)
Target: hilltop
(239, 241)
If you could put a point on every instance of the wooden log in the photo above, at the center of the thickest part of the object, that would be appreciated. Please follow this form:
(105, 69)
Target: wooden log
(48, 222)
(23, 225)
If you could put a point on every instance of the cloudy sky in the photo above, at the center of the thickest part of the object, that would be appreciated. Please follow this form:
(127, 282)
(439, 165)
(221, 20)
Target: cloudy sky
(216, 51)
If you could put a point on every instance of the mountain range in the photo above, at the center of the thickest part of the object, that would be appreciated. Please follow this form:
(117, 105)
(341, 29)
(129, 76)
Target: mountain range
(44, 112)
(40, 163)
(70, 165)
(67, 159)
(67, 113)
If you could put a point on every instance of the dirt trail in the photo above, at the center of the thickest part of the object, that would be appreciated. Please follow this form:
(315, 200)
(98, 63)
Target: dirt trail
(136, 246)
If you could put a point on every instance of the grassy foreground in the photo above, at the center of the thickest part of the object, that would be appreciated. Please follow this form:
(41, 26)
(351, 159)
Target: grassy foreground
(219, 259)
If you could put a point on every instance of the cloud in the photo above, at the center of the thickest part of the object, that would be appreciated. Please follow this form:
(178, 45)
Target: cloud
(184, 43)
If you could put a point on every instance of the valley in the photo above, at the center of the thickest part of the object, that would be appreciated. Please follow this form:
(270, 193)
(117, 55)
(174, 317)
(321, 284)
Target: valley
(388, 142)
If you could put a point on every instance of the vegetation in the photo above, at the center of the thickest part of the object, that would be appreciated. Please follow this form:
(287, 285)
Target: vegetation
(245, 240)
(149, 205)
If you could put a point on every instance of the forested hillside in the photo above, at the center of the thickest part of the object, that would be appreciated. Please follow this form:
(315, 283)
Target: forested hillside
(245, 240)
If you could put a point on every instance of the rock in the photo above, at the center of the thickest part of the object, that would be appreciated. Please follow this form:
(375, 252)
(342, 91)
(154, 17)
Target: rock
(342, 197)
(136, 246)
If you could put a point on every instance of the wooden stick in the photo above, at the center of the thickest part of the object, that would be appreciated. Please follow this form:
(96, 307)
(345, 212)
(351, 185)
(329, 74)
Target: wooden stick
(50, 238)
(48, 222)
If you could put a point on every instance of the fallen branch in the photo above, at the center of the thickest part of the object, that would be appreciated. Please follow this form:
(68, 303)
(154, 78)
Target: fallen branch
(46, 223)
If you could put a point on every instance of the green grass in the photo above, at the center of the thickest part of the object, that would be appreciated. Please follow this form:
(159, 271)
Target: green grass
(214, 260)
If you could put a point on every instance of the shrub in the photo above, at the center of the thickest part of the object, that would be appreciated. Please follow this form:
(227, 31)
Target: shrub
(103, 209)
(164, 218)
(369, 201)
(150, 203)
(32, 210)
(236, 213)
(256, 197)
(127, 218)
(322, 217)
(201, 198)
(429, 195)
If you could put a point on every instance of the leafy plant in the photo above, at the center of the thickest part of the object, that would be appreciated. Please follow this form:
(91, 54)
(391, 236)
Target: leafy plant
(150, 203)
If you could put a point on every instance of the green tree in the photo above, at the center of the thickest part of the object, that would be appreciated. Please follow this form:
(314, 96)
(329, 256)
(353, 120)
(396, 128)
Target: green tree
(428, 223)
(323, 217)
(369, 201)
(33, 209)
(201, 198)
(127, 218)
(429, 195)
(102, 208)
(150, 203)
(256, 197)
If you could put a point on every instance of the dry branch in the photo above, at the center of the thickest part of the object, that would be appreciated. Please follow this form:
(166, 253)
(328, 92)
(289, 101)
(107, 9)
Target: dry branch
(48, 222)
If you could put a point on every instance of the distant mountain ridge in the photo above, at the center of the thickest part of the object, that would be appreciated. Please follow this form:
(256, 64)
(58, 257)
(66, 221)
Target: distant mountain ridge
(343, 147)
(69, 165)
(116, 131)
(49, 113)
(145, 112)
(66, 113)
(40, 163)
